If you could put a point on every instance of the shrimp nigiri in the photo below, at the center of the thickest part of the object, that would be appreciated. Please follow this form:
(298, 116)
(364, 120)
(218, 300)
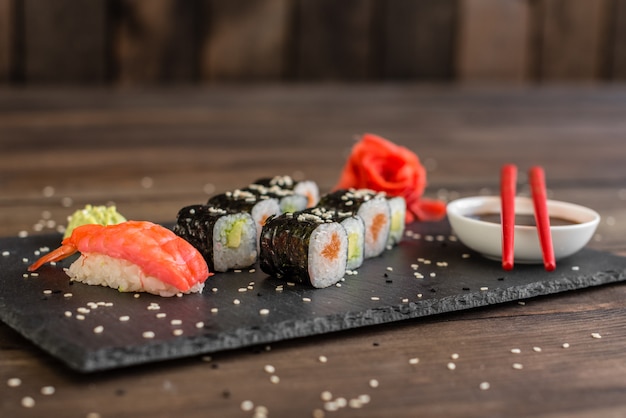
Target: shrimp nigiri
(132, 256)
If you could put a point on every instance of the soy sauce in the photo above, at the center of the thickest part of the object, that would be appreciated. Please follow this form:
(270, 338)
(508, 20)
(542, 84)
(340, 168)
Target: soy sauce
(521, 219)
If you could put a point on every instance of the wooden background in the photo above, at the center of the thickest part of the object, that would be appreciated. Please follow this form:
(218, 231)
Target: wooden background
(137, 42)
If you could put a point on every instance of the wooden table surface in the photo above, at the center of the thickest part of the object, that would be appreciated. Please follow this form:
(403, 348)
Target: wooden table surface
(152, 152)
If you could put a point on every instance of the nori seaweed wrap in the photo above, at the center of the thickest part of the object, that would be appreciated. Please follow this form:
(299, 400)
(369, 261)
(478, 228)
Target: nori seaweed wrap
(307, 188)
(304, 248)
(289, 200)
(373, 207)
(225, 240)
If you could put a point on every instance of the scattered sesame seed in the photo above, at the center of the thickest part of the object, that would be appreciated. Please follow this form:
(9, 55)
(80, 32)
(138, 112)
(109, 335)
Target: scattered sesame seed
(199, 324)
(48, 390)
(537, 349)
(375, 298)
(176, 322)
(98, 329)
(148, 334)
(274, 379)
(454, 356)
(177, 332)
(22, 234)
(565, 345)
(326, 396)
(596, 335)
(419, 295)
(83, 310)
(465, 256)
(515, 350)
(124, 318)
(405, 300)
(5, 253)
(47, 292)
(247, 405)
(323, 359)
(373, 383)
(389, 268)
(161, 315)
(484, 288)
(137, 295)
(67, 314)
(214, 310)
(14, 382)
(251, 270)
(433, 274)
(67, 295)
(414, 360)
(484, 386)
(264, 311)
(306, 299)
(80, 317)
(575, 268)
(236, 302)
(518, 366)
(242, 289)
(318, 413)
(269, 368)
(451, 366)
(28, 402)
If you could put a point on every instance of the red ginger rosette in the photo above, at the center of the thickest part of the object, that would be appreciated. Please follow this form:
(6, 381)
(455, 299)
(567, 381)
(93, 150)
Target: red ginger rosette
(378, 164)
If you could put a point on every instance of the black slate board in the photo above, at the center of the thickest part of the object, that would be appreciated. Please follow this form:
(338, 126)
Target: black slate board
(384, 290)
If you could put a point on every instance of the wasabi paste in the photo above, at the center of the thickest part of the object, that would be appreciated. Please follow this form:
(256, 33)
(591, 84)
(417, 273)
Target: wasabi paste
(102, 215)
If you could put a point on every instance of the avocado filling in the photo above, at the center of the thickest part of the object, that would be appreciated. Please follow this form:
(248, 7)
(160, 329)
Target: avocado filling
(354, 251)
(234, 233)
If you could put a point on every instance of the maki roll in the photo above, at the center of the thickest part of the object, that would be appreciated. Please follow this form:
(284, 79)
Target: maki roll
(355, 228)
(372, 207)
(288, 200)
(307, 188)
(258, 206)
(304, 248)
(226, 240)
(397, 205)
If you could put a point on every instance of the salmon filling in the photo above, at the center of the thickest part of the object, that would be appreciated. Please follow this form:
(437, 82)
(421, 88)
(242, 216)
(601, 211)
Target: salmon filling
(377, 224)
(331, 250)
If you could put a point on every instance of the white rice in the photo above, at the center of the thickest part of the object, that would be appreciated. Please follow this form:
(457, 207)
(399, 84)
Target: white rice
(324, 272)
(373, 211)
(227, 257)
(309, 189)
(99, 269)
(355, 228)
(263, 210)
(397, 206)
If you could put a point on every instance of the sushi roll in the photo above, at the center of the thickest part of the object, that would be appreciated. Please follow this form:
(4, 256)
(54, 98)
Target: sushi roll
(307, 188)
(288, 200)
(132, 256)
(372, 207)
(225, 239)
(304, 248)
(397, 205)
(258, 206)
(355, 228)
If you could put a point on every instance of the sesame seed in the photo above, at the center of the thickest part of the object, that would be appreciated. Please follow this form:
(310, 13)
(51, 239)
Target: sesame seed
(161, 315)
(47, 390)
(451, 366)
(242, 289)
(484, 288)
(274, 379)
(83, 310)
(177, 332)
(148, 334)
(214, 310)
(326, 396)
(565, 345)
(414, 360)
(80, 317)
(68, 314)
(28, 402)
(236, 302)
(176, 322)
(515, 350)
(5, 253)
(247, 405)
(454, 356)
(318, 413)
(405, 300)
(14, 382)
(47, 292)
(433, 274)
(67, 295)
(484, 386)
(389, 268)
(269, 368)
(306, 299)
(596, 335)
(373, 383)
(264, 311)
(537, 349)
(465, 256)
(98, 329)
(518, 366)
(124, 318)
(137, 295)
(375, 298)
(575, 268)
(323, 359)
(199, 324)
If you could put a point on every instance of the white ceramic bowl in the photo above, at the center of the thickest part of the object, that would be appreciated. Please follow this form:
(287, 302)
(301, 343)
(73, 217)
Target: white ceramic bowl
(486, 237)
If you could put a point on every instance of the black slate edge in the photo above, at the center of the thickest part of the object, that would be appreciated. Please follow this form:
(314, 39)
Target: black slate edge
(127, 356)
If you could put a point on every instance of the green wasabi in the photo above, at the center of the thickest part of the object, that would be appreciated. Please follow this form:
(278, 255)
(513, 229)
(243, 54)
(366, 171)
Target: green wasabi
(102, 215)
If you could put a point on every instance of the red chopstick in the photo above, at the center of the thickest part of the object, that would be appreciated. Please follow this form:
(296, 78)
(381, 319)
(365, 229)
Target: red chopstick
(537, 180)
(508, 181)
